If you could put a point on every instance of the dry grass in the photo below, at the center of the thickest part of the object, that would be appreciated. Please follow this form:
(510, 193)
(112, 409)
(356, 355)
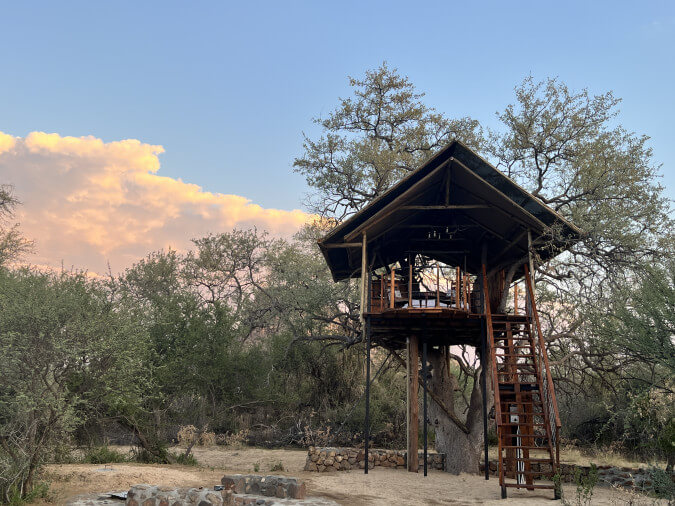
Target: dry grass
(584, 457)
(380, 487)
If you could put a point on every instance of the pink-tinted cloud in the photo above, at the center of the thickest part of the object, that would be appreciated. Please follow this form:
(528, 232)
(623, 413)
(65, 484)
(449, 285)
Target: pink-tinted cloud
(86, 202)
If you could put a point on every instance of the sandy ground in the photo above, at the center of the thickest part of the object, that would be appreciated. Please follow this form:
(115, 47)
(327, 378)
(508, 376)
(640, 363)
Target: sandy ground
(380, 487)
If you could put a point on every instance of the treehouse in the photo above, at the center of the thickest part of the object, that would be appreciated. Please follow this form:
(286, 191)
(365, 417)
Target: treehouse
(446, 258)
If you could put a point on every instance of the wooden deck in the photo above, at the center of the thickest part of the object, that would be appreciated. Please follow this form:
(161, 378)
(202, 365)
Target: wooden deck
(439, 325)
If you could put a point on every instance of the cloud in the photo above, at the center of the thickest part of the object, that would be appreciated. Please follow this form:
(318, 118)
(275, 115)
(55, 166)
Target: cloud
(86, 202)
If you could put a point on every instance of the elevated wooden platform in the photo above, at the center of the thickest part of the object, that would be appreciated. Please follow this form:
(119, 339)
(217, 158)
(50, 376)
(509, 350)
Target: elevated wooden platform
(439, 326)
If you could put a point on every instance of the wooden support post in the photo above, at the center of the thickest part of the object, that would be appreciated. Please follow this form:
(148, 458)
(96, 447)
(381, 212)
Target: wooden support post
(382, 282)
(392, 301)
(457, 285)
(410, 284)
(438, 287)
(515, 298)
(424, 415)
(364, 268)
(483, 384)
(366, 429)
(464, 285)
(413, 406)
(407, 392)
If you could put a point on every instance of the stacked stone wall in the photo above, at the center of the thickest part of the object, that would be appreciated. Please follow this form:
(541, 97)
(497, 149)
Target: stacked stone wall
(329, 459)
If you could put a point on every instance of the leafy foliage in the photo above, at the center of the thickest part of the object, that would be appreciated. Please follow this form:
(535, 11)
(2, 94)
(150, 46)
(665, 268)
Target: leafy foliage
(372, 140)
(67, 353)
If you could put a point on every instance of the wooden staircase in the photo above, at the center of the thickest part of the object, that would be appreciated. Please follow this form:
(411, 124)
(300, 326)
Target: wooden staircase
(528, 425)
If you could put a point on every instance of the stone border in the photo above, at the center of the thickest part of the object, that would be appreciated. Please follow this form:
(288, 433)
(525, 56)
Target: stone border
(236, 489)
(329, 459)
(268, 486)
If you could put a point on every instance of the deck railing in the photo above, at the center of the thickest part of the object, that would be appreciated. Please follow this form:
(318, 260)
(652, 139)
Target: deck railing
(421, 289)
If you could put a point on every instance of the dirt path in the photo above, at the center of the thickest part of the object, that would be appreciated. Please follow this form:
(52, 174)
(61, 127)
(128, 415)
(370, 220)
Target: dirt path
(380, 487)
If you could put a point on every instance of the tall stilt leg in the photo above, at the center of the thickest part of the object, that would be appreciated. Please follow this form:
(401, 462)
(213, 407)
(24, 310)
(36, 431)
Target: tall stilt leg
(483, 380)
(424, 419)
(413, 406)
(366, 430)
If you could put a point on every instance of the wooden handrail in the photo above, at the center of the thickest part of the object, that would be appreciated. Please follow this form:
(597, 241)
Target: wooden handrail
(410, 277)
(542, 345)
(457, 287)
(438, 286)
(490, 340)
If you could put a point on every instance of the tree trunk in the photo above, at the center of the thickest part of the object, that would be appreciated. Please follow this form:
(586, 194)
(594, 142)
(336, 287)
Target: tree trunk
(462, 451)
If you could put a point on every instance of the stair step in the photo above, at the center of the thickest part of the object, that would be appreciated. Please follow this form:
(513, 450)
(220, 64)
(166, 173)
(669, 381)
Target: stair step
(529, 460)
(513, 424)
(525, 447)
(519, 369)
(520, 355)
(529, 436)
(528, 346)
(517, 383)
(520, 413)
(523, 485)
(532, 473)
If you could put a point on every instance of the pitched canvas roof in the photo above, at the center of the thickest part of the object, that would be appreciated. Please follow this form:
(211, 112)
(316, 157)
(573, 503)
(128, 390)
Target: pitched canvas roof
(447, 209)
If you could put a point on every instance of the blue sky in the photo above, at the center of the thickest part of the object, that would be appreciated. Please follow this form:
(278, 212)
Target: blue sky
(228, 88)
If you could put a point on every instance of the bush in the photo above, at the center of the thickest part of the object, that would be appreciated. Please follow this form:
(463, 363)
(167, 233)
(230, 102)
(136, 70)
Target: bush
(189, 435)
(663, 483)
(103, 455)
(39, 491)
(159, 455)
(233, 439)
(186, 460)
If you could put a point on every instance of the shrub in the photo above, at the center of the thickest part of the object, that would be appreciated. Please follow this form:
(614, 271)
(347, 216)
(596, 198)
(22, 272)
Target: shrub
(207, 439)
(186, 435)
(663, 484)
(159, 455)
(103, 455)
(189, 435)
(232, 439)
(186, 460)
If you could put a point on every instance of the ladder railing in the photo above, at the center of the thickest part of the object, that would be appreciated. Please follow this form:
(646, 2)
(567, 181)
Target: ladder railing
(495, 375)
(548, 391)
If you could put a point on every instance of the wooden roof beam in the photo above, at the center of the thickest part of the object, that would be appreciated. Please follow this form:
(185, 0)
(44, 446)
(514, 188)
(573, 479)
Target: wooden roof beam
(513, 243)
(342, 245)
(445, 207)
(513, 204)
(394, 204)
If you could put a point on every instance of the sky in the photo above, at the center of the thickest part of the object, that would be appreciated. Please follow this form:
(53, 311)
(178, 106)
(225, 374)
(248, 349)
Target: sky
(133, 126)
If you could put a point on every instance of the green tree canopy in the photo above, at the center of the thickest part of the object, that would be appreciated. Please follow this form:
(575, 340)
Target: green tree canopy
(373, 139)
